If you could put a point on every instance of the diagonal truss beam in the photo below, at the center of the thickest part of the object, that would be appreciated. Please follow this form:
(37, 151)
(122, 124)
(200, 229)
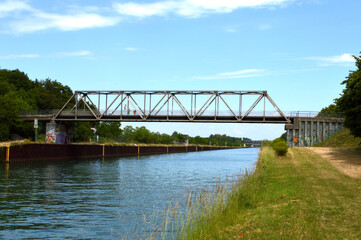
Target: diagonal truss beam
(182, 107)
(252, 107)
(229, 108)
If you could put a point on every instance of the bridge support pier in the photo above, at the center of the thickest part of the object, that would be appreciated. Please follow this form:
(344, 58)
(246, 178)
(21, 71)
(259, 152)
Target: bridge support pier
(304, 131)
(55, 133)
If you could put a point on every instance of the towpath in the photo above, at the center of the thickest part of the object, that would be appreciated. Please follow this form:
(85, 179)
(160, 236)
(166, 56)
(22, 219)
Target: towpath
(347, 161)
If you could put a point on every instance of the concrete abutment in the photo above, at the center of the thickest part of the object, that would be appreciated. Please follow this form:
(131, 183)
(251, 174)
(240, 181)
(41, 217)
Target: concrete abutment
(307, 131)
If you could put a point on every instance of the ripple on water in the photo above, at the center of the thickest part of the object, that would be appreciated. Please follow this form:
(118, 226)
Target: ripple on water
(95, 199)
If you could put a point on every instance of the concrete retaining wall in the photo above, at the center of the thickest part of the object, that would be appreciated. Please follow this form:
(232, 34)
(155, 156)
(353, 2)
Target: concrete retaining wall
(35, 151)
(309, 131)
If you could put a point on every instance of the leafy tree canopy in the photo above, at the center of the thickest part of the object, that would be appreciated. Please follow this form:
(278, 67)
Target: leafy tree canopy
(82, 131)
(109, 130)
(19, 93)
(350, 100)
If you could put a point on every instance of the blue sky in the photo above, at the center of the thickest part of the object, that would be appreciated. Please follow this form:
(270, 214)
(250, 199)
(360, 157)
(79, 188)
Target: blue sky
(298, 50)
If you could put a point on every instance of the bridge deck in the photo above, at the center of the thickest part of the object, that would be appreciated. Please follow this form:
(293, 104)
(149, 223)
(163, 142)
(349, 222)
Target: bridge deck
(166, 106)
(160, 118)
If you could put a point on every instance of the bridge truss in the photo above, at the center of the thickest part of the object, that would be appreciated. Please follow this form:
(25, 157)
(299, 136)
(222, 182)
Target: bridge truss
(171, 106)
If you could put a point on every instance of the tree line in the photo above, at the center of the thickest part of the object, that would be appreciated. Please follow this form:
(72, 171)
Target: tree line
(111, 131)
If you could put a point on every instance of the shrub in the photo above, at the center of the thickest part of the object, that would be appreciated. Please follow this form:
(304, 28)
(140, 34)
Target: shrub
(280, 148)
(277, 140)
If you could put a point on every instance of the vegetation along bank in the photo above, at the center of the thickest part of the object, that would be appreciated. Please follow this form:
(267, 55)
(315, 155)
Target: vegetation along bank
(296, 196)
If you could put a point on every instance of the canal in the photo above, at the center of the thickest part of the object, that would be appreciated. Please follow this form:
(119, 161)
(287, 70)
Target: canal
(105, 199)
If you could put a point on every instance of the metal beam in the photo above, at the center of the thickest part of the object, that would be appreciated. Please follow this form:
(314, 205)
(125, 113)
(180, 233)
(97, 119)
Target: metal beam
(185, 109)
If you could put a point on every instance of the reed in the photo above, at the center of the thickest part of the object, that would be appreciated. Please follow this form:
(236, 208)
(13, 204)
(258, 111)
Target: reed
(208, 212)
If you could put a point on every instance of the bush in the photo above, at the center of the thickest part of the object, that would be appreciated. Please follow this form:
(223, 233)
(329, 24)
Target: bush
(280, 146)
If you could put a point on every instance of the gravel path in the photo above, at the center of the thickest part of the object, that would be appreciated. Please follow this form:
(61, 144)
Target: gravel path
(347, 161)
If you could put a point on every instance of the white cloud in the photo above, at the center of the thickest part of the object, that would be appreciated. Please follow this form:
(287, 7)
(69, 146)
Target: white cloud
(342, 59)
(30, 19)
(246, 73)
(264, 27)
(41, 21)
(131, 49)
(23, 18)
(230, 29)
(84, 53)
(146, 9)
(190, 8)
(17, 56)
(11, 6)
(75, 54)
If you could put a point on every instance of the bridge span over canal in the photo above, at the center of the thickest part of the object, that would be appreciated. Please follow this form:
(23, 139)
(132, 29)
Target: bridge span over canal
(166, 106)
(303, 128)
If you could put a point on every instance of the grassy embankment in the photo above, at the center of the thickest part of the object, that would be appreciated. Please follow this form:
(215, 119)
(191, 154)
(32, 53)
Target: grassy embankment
(300, 196)
(342, 139)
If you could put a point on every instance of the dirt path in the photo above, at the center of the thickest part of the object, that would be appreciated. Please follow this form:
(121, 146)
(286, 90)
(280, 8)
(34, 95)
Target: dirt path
(347, 161)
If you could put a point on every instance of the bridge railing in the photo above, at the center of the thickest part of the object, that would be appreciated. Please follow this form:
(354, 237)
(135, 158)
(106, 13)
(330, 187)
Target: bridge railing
(38, 112)
(313, 114)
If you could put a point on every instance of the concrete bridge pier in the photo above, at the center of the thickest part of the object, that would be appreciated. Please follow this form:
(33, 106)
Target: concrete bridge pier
(56, 133)
(306, 131)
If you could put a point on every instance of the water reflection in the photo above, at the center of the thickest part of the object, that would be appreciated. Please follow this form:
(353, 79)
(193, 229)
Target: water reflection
(97, 199)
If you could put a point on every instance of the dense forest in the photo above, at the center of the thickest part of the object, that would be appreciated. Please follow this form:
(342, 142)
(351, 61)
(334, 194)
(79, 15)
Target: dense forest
(19, 93)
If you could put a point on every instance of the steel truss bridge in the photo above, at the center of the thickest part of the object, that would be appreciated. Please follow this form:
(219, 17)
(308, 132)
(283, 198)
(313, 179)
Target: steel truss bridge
(166, 106)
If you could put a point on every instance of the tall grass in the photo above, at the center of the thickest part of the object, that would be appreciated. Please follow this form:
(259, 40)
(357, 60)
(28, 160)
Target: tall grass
(300, 196)
(207, 212)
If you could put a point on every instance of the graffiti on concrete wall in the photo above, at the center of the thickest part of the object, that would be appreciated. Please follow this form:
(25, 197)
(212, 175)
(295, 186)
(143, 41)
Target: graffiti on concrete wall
(60, 134)
(50, 133)
(55, 133)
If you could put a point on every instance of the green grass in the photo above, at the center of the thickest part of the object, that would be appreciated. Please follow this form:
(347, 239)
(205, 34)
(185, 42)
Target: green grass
(342, 139)
(300, 196)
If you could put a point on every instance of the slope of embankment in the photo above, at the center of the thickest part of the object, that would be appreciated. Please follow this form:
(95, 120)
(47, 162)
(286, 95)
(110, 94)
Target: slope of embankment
(300, 196)
(342, 139)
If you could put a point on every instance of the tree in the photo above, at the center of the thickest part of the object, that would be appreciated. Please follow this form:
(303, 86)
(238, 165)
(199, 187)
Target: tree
(19, 93)
(332, 108)
(166, 139)
(11, 104)
(109, 130)
(180, 138)
(82, 131)
(350, 100)
(142, 135)
(128, 134)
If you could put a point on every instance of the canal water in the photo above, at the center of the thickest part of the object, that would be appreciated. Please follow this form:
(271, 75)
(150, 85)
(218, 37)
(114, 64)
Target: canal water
(106, 199)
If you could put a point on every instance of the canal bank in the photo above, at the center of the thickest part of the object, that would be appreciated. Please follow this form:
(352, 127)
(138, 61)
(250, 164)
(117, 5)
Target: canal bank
(300, 196)
(43, 151)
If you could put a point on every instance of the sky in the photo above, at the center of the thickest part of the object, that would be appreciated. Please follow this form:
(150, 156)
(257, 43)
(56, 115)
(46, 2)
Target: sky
(298, 50)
